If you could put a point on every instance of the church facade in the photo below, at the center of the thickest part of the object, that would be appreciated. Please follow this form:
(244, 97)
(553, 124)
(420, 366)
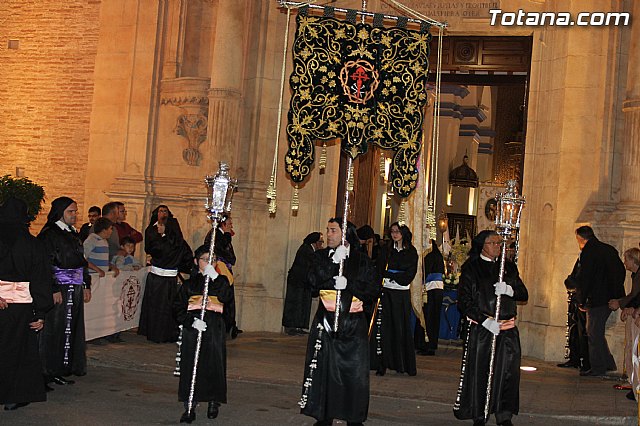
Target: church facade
(138, 100)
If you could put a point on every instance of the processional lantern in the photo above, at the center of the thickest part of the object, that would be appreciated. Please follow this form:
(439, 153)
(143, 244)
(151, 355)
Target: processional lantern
(509, 206)
(220, 190)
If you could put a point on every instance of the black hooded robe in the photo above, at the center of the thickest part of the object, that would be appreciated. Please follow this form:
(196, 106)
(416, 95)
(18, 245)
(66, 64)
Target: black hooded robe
(65, 252)
(167, 252)
(22, 259)
(338, 385)
(297, 302)
(392, 342)
(211, 377)
(477, 301)
(224, 252)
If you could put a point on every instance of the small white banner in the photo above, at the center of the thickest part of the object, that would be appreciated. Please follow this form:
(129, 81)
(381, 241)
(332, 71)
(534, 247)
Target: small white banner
(115, 303)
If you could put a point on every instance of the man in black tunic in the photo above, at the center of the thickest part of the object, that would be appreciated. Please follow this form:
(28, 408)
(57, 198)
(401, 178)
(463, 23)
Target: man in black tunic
(336, 373)
(25, 297)
(62, 342)
(297, 303)
(477, 296)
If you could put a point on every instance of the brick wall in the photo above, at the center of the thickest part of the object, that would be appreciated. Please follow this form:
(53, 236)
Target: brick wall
(46, 90)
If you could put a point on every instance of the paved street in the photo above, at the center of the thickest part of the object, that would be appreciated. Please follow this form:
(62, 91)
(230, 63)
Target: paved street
(132, 383)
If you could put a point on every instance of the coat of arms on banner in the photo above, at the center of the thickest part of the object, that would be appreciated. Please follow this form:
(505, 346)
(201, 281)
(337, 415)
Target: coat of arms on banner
(130, 297)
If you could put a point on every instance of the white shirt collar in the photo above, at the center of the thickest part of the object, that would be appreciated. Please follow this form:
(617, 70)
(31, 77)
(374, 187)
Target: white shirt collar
(483, 257)
(65, 227)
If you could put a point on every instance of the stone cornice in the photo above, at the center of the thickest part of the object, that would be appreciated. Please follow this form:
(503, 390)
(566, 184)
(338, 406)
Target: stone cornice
(185, 91)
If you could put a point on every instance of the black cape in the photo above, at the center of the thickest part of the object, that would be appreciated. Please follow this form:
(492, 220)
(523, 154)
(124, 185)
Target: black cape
(339, 384)
(66, 252)
(22, 258)
(392, 341)
(211, 378)
(297, 302)
(477, 301)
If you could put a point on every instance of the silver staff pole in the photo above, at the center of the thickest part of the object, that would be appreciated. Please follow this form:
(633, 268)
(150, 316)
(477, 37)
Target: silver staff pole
(347, 188)
(220, 192)
(509, 208)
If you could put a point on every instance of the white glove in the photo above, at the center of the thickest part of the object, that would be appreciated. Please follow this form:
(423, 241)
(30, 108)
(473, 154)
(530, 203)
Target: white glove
(199, 325)
(492, 325)
(211, 272)
(341, 282)
(503, 288)
(341, 253)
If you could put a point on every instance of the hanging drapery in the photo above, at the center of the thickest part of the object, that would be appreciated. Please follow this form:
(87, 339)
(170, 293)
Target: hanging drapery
(360, 83)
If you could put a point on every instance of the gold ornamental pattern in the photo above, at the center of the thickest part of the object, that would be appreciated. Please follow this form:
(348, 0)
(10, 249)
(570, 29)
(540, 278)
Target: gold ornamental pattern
(362, 84)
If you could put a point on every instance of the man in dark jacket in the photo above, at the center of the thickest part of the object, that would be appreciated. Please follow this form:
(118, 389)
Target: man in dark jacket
(601, 279)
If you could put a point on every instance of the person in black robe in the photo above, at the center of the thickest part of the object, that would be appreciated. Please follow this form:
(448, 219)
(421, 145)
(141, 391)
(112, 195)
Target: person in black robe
(170, 254)
(211, 378)
(23, 260)
(336, 383)
(62, 342)
(433, 266)
(297, 302)
(225, 253)
(392, 344)
(577, 345)
(477, 296)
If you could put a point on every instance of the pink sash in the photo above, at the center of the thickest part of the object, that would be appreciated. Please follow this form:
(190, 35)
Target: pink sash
(15, 292)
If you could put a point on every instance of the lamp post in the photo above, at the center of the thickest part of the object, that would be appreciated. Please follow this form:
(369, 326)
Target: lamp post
(220, 190)
(509, 209)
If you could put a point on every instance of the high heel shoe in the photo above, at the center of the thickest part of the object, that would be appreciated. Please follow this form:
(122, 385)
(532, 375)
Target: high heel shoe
(186, 418)
(212, 410)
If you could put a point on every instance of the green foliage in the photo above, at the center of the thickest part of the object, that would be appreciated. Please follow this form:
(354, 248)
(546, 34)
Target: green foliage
(23, 189)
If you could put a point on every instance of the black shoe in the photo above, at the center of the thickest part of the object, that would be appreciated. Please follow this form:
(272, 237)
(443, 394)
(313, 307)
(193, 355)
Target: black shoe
(186, 418)
(289, 331)
(381, 372)
(506, 423)
(235, 331)
(212, 410)
(327, 422)
(97, 342)
(11, 407)
(591, 373)
(631, 395)
(301, 332)
(59, 380)
(478, 423)
(568, 364)
(48, 388)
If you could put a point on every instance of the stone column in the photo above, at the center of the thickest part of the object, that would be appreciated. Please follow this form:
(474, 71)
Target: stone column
(226, 80)
(630, 191)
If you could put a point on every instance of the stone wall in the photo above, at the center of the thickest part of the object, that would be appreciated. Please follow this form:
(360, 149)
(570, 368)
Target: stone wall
(46, 87)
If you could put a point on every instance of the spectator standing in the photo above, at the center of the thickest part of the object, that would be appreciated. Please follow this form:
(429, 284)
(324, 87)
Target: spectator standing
(123, 229)
(85, 229)
(601, 279)
(578, 343)
(124, 260)
(96, 248)
(110, 211)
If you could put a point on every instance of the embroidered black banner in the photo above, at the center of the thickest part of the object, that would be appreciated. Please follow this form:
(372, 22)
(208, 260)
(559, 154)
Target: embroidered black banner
(361, 84)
